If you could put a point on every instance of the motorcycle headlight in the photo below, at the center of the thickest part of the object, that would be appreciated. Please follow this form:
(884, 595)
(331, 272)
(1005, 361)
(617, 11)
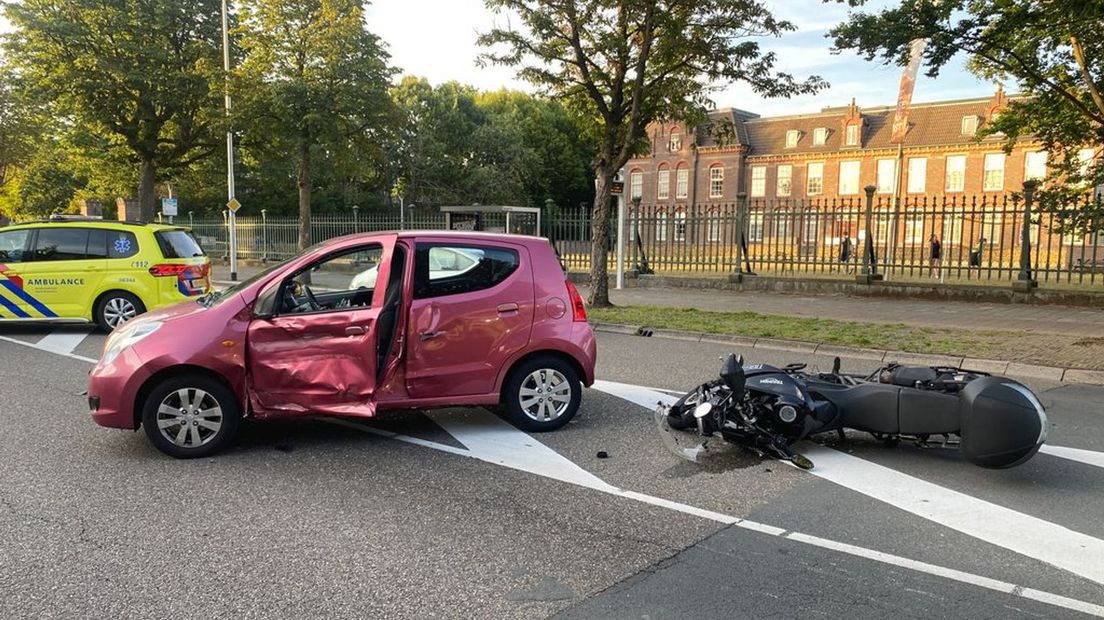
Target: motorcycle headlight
(787, 414)
(127, 337)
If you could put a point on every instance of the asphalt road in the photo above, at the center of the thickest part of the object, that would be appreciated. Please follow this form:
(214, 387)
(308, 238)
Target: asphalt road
(456, 514)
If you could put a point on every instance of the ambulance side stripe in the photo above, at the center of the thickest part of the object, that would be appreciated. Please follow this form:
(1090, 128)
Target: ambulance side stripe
(12, 308)
(36, 304)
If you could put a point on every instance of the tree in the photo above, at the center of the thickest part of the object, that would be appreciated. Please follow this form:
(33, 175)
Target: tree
(313, 84)
(622, 64)
(1053, 50)
(18, 129)
(138, 73)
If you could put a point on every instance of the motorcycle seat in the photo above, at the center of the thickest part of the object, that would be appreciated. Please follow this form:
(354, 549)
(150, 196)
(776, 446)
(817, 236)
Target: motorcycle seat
(909, 376)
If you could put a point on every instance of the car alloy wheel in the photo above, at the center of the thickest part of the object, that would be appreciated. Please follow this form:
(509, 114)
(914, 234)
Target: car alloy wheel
(545, 395)
(118, 310)
(189, 417)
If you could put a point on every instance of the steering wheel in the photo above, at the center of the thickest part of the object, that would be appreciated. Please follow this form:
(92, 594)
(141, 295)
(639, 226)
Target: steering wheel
(311, 299)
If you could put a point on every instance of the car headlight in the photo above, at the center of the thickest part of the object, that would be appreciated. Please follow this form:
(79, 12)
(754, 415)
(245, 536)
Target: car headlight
(125, 337)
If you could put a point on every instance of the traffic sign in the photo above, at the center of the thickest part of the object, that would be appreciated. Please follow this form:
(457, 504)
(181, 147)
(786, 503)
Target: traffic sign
(168, 207)
(233, 205)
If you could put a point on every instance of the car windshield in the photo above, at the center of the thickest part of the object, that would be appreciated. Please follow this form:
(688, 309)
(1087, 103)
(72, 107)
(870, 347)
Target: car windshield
(215, 297)
(178, 244)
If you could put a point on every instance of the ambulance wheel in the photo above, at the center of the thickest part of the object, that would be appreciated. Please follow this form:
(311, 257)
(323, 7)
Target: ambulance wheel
(115, 308)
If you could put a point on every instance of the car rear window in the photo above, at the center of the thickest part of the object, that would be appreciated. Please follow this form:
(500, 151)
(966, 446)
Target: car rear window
(441, 270)
(178, 244)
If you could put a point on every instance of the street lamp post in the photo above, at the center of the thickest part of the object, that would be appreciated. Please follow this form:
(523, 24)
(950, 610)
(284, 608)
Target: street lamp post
(1024, 282)
(229, 147)
(264, 234)
(356, 219)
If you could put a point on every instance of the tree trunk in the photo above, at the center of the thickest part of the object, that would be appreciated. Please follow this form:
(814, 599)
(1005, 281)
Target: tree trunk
(600, 232)
(304, 196)
(147, 202)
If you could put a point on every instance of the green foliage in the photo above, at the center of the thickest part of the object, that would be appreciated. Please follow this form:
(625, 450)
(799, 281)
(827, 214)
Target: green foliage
(621, 64)
(312, 86)
(135, 74)
(1052, 50)
(460, 146)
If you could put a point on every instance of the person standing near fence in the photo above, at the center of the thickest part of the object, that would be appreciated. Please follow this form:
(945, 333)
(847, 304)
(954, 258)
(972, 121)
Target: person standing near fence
(845, 252)
(975, 255)
(935, 255)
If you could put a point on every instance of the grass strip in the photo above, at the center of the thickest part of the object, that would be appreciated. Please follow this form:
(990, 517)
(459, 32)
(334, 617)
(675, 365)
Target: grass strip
(894, 337)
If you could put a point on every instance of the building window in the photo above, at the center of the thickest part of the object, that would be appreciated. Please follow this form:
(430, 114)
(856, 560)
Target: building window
(815, 179)
(636, 184)
(820, 136)
(674, 143)
(791, 138)
(1085, 158)
(917, 174)
(1035, 165)
(849, 178)
(661, 226)
(852, 138)
(969, 125)
(714, 226)
(994, 172)
(782, 227)
(663, 185)
(955, 178)
(785, 180)
(682, 182)
(716, 182)
(887, 176)
(758, 181)
(680, 226)
(755, 227)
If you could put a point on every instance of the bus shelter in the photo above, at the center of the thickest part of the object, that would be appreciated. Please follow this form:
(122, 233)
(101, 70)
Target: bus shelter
(500, 219)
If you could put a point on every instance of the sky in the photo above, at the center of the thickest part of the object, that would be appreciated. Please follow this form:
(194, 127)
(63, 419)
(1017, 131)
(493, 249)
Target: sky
(436, 39)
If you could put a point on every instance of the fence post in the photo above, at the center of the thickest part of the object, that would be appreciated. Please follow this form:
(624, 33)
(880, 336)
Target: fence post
(741, 238)
(1024, 281)
(869, 265)
(264, 235)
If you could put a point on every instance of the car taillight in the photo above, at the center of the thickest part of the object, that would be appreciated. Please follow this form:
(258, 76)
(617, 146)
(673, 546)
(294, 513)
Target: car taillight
(162, 271)
(578, 308)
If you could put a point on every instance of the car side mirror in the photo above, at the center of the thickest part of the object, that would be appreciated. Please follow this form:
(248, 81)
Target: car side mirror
(265, 305)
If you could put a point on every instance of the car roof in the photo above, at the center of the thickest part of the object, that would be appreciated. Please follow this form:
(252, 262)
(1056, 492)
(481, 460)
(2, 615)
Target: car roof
(106, 224)
(459, 235)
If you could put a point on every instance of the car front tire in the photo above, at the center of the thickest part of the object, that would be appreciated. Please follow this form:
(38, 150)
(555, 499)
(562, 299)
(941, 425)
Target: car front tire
(542, 394)
(191, 416)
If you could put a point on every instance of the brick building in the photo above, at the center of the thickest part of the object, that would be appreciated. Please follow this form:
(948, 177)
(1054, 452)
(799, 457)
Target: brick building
(831, 154)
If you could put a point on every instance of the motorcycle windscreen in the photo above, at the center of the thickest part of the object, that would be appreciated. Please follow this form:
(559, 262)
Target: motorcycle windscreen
(713, 453)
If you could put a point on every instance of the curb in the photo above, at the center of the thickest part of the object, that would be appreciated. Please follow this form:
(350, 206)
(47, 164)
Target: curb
(1031, 371)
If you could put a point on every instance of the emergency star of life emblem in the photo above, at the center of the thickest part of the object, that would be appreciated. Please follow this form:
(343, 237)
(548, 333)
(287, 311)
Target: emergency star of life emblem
(122, 246)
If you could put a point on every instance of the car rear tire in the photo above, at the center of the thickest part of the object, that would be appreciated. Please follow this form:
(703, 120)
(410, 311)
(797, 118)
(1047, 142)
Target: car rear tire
(191, 416)
(542, 394)
(116, 308)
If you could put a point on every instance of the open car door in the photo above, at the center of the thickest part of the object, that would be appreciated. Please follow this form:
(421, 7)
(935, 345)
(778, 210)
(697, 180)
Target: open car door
(323, 340)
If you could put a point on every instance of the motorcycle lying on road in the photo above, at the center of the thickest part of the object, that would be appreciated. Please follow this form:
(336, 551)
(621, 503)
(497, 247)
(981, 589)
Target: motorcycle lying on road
(996, 422)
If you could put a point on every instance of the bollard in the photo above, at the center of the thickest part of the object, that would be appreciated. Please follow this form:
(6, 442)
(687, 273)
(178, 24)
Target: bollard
(1024, 281)
(869, 272)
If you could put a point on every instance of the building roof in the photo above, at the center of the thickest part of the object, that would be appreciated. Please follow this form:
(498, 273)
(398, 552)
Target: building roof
(930, 124)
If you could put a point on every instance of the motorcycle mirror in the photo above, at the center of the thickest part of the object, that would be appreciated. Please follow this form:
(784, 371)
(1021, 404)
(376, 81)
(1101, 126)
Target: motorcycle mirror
(703, 410)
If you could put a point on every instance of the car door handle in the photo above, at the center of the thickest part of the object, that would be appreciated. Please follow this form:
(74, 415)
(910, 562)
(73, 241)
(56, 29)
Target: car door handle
(430, 335)
(355, 330)
(504, 308)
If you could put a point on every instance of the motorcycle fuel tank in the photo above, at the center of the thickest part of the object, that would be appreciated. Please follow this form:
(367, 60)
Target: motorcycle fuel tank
(773, 381)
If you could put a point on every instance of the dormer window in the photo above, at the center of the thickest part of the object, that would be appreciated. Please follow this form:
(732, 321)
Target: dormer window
(674, 143)
(820, 136)
(969, 125)
(852, 137)
(791, 138)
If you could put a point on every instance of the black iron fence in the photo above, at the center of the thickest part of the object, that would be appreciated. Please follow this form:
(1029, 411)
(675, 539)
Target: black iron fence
(979, 237)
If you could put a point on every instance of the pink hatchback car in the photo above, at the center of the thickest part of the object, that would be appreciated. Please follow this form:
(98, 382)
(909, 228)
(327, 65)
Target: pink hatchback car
(352, 326)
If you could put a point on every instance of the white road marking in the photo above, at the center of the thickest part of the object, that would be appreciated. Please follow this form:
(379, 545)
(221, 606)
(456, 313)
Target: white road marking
(35, 346)
(62, 341)
(1047, 542)
(494, 455)
(1074, 454)
(485, 439)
